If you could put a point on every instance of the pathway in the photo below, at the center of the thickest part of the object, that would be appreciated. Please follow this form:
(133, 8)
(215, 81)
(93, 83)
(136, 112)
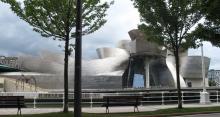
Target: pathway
(9, 111)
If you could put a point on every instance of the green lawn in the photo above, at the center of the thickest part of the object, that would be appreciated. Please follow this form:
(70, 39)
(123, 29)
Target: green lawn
(163, 111)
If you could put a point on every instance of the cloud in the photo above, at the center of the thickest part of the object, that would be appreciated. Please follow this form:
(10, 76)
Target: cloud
(17, 37)
(122, 17)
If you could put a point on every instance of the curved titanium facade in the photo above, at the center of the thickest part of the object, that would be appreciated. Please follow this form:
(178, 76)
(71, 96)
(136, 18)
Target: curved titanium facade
(140, 46)
(160, 75)
(124, 44)
(191, 66)
(135, 57)
(110, 52)
(149, 60)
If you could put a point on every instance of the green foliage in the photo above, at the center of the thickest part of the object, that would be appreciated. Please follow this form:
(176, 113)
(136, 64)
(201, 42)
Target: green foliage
(205, 32)
(211, 10)
(212, 83)
(56, 18)
(210, 29)
(168, 22)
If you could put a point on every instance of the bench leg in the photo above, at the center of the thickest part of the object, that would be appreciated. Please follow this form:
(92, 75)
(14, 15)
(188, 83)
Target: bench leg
(107, 110)
(19, 111)
(136, 108)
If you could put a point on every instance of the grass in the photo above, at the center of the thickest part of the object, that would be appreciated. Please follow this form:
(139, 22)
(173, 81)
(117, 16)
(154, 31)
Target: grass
(158, 112)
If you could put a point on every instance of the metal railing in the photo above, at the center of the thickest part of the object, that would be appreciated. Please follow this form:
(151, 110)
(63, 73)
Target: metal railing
(95, 99)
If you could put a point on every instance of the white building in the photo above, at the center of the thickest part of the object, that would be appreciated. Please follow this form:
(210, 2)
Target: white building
(214, 75)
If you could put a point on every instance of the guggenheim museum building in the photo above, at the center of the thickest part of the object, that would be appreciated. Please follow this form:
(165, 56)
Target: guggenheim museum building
(130, 61)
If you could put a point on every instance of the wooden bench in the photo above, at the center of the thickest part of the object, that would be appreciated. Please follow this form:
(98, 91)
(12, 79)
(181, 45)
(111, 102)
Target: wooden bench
(122, 100)
(12, 101)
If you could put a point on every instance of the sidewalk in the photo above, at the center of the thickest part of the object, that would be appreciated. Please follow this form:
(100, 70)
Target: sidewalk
(142, 108)
(13, 111)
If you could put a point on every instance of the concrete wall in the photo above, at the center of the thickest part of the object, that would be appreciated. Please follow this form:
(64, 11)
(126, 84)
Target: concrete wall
(56, 82)
(12, 86)
(102, 82)
(197, 82)
(88, 82)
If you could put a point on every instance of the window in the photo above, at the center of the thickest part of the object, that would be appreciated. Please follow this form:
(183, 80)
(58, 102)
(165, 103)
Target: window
(138, 81)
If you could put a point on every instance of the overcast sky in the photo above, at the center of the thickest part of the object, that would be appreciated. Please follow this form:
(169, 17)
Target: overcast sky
(17, 37)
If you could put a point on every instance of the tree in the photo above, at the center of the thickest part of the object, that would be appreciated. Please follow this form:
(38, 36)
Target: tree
(169, 23)
(212, 83)
(56, 19)
(209, 30)
(78, 61)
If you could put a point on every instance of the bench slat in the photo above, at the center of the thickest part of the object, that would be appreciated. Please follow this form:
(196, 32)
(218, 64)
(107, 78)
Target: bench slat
(11, 101)
(122, 100)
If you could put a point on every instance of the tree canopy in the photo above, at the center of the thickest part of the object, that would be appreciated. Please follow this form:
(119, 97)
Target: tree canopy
(56, 18)
(169, 23)
(209, 30)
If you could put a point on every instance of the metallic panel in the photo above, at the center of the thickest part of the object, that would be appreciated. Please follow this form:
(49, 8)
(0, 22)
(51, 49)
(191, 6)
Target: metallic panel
(110, 52)
(191, 66)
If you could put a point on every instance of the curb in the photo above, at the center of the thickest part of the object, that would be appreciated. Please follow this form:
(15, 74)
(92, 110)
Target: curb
(179, 114)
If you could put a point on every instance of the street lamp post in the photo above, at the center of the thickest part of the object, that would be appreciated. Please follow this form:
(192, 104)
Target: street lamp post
(203, 69)
(78, 60)
(204, 95)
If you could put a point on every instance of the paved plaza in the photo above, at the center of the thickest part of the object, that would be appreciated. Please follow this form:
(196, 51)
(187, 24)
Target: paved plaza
(9, 111)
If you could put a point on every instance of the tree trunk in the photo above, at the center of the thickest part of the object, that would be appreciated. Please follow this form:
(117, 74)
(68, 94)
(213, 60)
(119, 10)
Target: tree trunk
(176, 54)
(78, 61)
(66, 61)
